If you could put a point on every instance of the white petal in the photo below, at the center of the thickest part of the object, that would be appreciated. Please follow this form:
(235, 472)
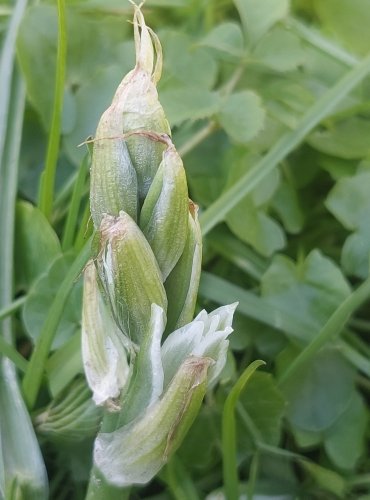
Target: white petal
(205, 336)
(103, 345)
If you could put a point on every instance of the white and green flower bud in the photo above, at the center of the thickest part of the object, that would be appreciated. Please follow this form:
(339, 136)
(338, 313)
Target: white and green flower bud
(72, 416)
(129, 274)
(164, 216)
(104, 347)
(136, 452)
(206, 336)
(183, 282)
(142, 110)
(147, 380)
(113, 177)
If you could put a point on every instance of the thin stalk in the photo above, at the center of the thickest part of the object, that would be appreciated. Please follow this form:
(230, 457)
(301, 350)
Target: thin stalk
(333, 327)
(48, 176)
(78, 191)
(26, 468)
(216, 212)
(212, 126)
(33, 377)
(13, 307)
(99, 489)
(6, 68)
(11, 353)
(84, 230)
(179, 481)
(358, 360)
(230, 466)
(361, 480)
(360, 324)
(197, 138)
(253, 474)
(316, 39)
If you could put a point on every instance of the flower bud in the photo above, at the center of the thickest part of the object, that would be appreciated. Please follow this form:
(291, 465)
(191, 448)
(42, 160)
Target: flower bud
(71, 417)
(147, 381)
(164, 216)
(104, 347)
(129, 274)
(113, 177)
(183, 282)
(136, 452)
(206, 335)
(142, 110)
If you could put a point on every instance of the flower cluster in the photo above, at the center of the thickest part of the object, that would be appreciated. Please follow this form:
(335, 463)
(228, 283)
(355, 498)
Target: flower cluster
(145, 360)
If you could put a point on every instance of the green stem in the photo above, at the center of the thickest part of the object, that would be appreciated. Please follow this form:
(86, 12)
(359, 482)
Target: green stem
(333, 327)
(6, 68)
(33, 377)
(253, 474)
(11, 353)
(11, 308)
(316, 39)
(216, 212)
(230, 466)
(197, 138)
(85, 229)
(78, 191)
(99, 489)
(26, 468)
(48, 176)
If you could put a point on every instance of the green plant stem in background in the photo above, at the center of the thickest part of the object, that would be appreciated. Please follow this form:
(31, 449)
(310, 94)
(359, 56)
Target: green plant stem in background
(6, 70)
(217, 289)
(316, 39)
(216, 212)
(253, 475)
(33, 377)
(24, 473)
(11, 308)
(77, 194)
(179, 480)
(85, 229)
(197, 138)
(48, 176)
(333, 327)
(230, 467)
(11, 353)
(99, 489)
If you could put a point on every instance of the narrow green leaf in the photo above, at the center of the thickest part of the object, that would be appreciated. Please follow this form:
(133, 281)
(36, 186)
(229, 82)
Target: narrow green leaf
(33, 377)
(78, 192)
(285, 145)
(48, 177)
(230, 468)
(333, 327)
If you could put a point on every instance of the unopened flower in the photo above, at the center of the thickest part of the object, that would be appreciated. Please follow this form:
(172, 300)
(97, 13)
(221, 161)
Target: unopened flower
(126, 158)
(164, 216)
(183, 282)
(136, 452)
(129, 274)
(104, 347)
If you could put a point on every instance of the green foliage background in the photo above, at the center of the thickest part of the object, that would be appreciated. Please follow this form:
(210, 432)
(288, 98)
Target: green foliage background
(269, 105)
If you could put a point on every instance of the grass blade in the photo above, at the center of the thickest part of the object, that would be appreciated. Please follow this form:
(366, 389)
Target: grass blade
(48, 176)
(24, 470)
(78, 191)
(230, 467)
(6, 69)
(35, 370)
(332, 327)
(216, 212)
